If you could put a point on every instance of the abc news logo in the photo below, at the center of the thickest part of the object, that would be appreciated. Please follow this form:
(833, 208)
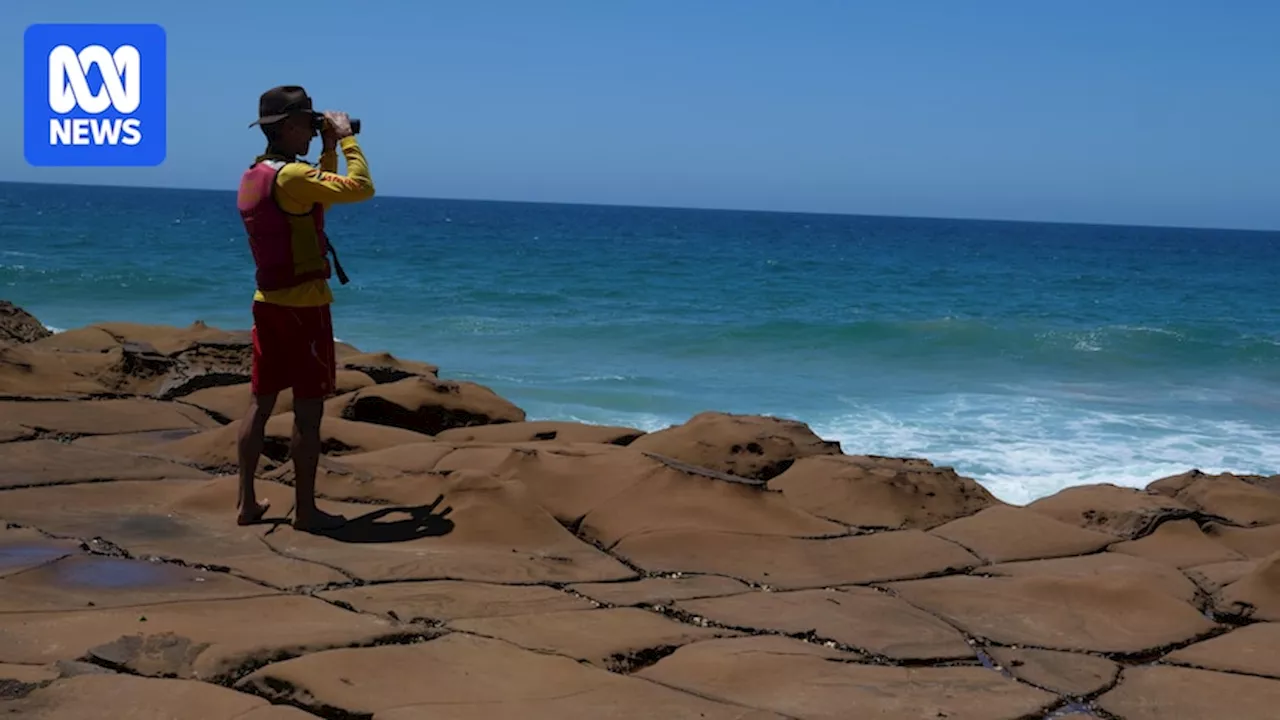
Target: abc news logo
(95, 95)
(69, 89)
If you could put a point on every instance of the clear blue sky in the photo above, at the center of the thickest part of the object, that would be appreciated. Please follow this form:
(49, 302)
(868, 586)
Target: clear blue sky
(1161, 112)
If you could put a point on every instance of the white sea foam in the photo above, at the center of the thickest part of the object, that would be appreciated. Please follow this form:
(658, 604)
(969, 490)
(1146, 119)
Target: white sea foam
(1024, 449)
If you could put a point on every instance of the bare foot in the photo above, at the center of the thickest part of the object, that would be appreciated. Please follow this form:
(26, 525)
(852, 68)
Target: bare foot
(318, 520)
(249, 516)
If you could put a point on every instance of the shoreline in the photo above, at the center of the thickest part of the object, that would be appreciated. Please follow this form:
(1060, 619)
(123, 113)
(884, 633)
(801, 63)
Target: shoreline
(711, 569)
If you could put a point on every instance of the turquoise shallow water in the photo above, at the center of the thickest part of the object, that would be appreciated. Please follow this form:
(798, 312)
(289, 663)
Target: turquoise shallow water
(1029, 356)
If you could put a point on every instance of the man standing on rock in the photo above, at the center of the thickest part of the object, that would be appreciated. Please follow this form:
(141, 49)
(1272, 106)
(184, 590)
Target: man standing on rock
(282, 201)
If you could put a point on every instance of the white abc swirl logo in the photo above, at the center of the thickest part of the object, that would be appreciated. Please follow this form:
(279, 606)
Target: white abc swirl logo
(69, 86)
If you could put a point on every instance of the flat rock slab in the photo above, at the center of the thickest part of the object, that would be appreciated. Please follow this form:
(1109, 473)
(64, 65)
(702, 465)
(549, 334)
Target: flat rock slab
(424, 404)
(1179, 543)
(1121, 511)
(1251, 650)
(492, 532)
(1255, 596)
(205, 640)
(795, 563)
(48, 462)
(217, 449)
(1103, 565)
(444, 600)
(542, 431)
(1256, 543)
(797, 680)
(465, 677)
(667, 499)
(1212, 578)
(1071, 674)
(24, 548)
(79, 582)
(188, 520)
(104, 417)
(1100, 614)
(874, 492)
(1224, 496)
(10, 431)
(611, 638)
(569, 481)
(861, 618)
(1002, 534)
(660, 590)
(116, 697)
(1174, 693)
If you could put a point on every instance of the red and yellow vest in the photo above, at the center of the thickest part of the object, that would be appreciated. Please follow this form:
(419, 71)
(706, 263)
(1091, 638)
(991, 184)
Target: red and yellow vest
(288, 249)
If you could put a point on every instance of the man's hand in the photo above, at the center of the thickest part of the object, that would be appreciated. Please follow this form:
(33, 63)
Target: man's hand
(337, 126)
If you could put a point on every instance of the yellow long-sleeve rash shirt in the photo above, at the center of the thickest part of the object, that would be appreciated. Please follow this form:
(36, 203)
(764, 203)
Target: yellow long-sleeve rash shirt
(298, 187)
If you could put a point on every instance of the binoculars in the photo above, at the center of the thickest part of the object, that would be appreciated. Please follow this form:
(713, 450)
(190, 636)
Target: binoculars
(317, 124)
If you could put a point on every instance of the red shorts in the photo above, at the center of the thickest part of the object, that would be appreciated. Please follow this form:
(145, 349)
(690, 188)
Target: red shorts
(293, 348)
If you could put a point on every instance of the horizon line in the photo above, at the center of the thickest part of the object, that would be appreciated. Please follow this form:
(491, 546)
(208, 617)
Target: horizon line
(1080, 223)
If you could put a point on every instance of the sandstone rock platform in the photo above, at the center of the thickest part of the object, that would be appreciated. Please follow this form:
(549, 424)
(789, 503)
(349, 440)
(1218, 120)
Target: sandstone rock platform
(499, 566)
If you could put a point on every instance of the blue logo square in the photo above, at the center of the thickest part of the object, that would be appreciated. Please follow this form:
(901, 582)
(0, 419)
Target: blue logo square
(94, 95)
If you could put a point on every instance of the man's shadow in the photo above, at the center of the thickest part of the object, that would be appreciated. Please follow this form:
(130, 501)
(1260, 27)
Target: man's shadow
(421, 521)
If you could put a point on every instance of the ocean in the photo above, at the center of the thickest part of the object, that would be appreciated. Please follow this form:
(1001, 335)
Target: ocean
(1028, 356)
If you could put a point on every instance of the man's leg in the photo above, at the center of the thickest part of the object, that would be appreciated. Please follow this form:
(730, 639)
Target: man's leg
(267, 379)
(252, 429)
(314, 381)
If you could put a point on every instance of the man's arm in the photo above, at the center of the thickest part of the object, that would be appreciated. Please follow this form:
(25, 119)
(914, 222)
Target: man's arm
(308, 185)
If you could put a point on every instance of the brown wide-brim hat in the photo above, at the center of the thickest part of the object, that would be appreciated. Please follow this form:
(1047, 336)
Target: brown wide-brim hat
(280, 102)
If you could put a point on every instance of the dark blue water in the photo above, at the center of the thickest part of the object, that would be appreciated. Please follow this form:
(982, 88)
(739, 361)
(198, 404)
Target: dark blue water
(1030, 356)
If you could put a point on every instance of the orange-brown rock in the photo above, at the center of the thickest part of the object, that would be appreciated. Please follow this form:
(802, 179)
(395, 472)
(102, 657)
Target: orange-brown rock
(795, 563)
(19, 326)
(1223, 496)
(750, 446)
(490, 531)
(543, 430)
(217, 449)
(231, 402)
(103, 417)
(206, 639)
(453, 678)
(1181, 544)
(439, 601)
(1254, 542)
(1111, 614)
(1256, 595)
(800, 681)
(877, 492)
(567, 480)
(425, 404)
(188, 520)
(117, 358)
(660, 590)
(1072, 674)
(115, 697)
(48, 462)
(384, 367)
(1002, 533)
(1250, 650)
(667, 499)
(1155, 692)
(1121, 511)
(862, 618)
(1215, 576)
(608, 638)
(1154, 575)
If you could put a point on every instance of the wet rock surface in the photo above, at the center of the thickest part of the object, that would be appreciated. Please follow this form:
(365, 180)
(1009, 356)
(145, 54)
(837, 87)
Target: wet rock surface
(735, 567)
